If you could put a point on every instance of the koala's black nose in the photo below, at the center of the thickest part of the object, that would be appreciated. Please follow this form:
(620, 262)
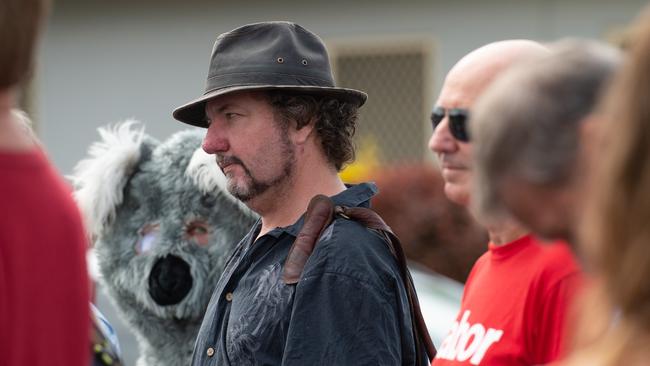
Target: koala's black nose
(170, 280)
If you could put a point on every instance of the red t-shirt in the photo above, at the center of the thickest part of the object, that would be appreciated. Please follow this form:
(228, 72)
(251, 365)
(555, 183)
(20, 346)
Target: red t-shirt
(44, 290)
(514, 306)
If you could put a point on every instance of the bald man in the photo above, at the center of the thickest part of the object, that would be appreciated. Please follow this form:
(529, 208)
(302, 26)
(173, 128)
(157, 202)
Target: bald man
(515, 300)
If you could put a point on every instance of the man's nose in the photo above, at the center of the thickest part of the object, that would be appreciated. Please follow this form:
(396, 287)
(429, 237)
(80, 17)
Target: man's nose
(441, 140)
(215, 140)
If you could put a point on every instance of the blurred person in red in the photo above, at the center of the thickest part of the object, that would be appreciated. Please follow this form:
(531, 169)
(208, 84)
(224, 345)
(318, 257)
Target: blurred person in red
(515, 300)
(44, 288)
(614, 232)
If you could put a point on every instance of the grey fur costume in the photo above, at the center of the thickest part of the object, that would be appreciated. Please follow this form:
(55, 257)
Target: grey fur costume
(162, 225)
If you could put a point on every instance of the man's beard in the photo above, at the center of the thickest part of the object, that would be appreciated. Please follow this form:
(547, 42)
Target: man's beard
(254, 187)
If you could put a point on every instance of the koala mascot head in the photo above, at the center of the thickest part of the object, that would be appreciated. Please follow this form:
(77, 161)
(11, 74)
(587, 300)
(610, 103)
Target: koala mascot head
(163, 225)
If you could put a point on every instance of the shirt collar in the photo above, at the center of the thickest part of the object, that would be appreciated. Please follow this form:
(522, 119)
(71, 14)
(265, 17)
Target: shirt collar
(355, 195)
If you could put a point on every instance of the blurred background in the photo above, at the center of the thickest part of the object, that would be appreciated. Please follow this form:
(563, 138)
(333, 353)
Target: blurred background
(104, 61)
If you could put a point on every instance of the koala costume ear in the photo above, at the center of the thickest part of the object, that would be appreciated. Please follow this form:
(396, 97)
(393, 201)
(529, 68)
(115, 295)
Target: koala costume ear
(99, 180)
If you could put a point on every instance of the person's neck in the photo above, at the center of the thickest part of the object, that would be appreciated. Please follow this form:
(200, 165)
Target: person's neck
(504, 232)
(283, 205)
(12, 135)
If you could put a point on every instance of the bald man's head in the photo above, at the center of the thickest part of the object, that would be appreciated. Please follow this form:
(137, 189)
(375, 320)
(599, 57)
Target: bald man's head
(467, 79)
(475, 71)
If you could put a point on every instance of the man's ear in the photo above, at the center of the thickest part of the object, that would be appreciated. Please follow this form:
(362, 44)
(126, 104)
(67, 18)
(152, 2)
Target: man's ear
(591, 141)
(589, 135)
(589, 127)
(300, 136)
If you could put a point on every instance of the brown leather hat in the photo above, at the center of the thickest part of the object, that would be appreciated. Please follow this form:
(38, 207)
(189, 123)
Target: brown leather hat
(262, 56)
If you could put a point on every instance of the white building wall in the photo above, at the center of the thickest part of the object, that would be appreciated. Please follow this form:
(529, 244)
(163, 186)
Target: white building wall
(104, 61)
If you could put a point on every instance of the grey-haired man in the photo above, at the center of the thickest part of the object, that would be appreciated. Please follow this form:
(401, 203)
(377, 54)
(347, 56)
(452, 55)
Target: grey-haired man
(530, 143)
(280, 131)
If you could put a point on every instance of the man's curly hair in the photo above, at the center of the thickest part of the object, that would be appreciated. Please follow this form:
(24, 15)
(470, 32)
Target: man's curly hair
(334, 120)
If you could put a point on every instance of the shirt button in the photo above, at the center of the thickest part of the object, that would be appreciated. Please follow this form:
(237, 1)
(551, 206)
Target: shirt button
(210, 352)
(229, 297)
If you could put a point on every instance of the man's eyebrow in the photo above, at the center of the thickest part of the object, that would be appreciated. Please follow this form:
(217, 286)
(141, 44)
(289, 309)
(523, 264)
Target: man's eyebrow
(219, 109)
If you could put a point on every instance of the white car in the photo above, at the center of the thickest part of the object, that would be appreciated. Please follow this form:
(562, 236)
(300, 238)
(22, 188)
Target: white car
(439, 300)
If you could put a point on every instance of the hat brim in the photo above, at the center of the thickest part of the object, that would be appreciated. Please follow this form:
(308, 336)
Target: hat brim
(193, 113)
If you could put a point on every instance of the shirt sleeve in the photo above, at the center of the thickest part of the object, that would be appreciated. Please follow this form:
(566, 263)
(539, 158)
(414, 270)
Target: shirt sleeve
(340, 320)
(552, 323)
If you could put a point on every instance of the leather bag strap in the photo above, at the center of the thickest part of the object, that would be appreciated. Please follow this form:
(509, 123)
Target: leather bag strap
(319, 215)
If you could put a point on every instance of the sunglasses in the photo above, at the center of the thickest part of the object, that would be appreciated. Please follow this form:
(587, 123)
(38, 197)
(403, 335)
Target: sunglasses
(457, 121)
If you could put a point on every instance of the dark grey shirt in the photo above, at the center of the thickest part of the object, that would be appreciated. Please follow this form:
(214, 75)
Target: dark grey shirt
(349, 308)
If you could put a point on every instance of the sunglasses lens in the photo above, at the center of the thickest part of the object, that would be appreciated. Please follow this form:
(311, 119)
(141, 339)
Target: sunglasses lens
(436, 117)
(458, 125)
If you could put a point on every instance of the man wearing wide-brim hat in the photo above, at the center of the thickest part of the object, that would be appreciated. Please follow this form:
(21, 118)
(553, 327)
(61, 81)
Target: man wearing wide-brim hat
(280, 131)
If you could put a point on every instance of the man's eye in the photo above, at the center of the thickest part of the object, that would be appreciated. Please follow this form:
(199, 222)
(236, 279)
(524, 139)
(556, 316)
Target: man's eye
(231, 115)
